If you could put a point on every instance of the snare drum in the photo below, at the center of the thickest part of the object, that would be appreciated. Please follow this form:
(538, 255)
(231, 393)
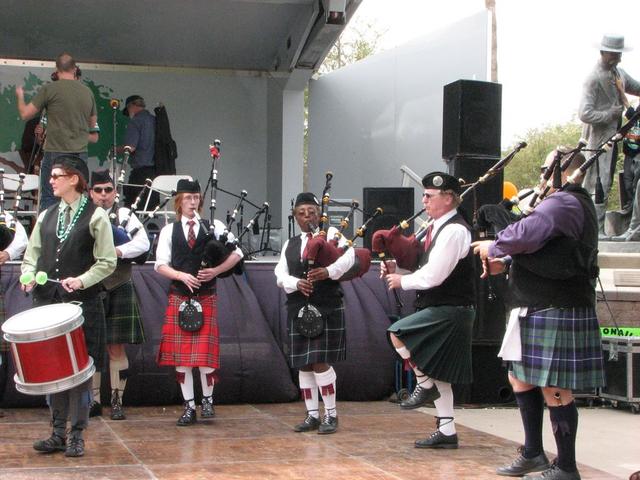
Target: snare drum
(49, 349)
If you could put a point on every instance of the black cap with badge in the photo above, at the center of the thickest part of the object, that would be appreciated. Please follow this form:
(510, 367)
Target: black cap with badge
(99, 177)
(306, 198)
(188, 186)
(442, 181)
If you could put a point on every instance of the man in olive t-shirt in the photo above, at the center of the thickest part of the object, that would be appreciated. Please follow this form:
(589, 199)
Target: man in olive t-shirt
(71, 119)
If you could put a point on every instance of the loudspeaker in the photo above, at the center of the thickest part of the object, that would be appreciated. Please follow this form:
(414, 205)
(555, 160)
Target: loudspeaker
(471, 119)
(396, 203)
(490, 382)
(470, 169)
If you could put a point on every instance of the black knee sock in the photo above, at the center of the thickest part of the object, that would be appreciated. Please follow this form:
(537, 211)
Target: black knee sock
(531, 405)
(564, 421)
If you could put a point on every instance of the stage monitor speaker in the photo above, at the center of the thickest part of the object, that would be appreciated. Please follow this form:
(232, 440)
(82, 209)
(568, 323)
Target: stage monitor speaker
(396, 203)
(471, 119)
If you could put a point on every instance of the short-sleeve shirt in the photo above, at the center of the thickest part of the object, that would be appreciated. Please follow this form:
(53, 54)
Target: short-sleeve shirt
(70, 106)
(141, 134)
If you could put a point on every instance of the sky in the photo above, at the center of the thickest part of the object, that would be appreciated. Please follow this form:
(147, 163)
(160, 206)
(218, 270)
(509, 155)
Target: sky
(545, 48)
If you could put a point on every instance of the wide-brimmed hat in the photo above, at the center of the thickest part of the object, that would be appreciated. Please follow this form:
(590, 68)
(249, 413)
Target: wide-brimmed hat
(613, 43)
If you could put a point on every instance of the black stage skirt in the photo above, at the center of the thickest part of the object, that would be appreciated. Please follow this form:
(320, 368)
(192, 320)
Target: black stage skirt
(328, 347)
(439, 339)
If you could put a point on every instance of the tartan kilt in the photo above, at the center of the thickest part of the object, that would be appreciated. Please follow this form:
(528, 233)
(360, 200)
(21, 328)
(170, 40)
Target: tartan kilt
(328, 347)
(4, 345)
(124, 324)
(439, 339)
(190, 349)
(561, 347)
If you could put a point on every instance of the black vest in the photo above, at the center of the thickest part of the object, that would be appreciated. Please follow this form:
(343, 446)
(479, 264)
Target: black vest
(326, 293)
(70, 258)
(562, 273)
(185, 259)
(458, 288)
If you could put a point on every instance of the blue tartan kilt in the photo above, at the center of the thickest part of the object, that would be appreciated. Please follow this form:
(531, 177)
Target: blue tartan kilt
(561, 347)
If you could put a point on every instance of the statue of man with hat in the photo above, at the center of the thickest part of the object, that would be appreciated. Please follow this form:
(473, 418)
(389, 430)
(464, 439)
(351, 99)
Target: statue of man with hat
(601, 107)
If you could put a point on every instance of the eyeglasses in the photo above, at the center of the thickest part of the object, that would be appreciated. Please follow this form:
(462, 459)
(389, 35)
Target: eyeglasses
(99, 190)
(429, 196)
(56, 176)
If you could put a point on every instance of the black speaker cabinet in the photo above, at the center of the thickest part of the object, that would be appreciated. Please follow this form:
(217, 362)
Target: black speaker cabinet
(471, 119)
(396, 202)
(470, 169)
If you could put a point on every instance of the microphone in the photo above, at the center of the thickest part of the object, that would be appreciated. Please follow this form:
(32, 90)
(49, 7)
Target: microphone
(114, 103)
(214, 149)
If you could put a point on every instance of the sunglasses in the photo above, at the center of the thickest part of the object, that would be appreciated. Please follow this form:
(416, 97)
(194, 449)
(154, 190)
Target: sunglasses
(55, 176)
(431, 195)
(99, 190)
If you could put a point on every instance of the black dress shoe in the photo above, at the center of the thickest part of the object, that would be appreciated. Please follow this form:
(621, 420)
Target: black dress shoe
(95, 409)
(188, 417)
(52, 444)
(438, 440)
(207, 410)
(75, 448)
(420, 397)
(554, 472)
(521, 465)
(117, 412)
(310, 423)
(329, 424)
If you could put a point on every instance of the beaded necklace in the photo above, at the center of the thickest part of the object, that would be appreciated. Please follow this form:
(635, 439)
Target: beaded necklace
(61, 232)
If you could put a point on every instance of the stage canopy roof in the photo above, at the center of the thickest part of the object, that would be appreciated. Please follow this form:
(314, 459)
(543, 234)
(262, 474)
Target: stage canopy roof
(262, 35)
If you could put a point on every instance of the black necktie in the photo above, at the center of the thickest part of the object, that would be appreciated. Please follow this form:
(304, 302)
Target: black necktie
(67, 217)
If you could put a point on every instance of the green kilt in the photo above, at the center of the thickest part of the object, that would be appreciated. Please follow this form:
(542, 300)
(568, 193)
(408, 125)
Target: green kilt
(124, 325)
(439, 339)
(561, 347)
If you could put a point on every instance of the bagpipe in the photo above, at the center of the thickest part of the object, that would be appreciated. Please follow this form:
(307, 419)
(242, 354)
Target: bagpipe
(322, 252)
(8, 230)
(119, 227)
(406, 250)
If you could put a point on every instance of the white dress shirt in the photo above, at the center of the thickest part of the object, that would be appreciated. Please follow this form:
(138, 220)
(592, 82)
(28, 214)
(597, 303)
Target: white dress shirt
(453, 243)
(19, 242)
(335, 270)
(163, 252)
(139, 244)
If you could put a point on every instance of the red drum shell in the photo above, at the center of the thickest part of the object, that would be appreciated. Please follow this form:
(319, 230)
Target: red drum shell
(49, 349)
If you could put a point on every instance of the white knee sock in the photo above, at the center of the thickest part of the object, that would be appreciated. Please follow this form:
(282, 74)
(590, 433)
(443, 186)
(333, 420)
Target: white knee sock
(207, 380)
(444, 407)
(421, 379)
(115, 367)
(309, 392)
(326, 382)
(187, 385)
(95, 386)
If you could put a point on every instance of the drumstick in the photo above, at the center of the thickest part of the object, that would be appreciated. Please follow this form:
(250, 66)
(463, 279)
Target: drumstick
(40, 278)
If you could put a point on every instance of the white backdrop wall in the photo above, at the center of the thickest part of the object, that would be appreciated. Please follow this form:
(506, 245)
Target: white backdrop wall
(368, 119)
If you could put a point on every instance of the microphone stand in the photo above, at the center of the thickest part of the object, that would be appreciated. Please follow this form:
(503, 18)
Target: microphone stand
(265, 239)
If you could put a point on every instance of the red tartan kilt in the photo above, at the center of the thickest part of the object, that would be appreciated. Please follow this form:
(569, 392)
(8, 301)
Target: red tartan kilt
(190, 349)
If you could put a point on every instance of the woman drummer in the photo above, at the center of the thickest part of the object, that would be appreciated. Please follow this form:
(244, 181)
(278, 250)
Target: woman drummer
(181, 246)
(71, 242)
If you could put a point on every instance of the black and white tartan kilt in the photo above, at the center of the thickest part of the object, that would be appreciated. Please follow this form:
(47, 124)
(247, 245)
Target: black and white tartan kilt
(561, 347)
(328, 347)
(124, 324)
